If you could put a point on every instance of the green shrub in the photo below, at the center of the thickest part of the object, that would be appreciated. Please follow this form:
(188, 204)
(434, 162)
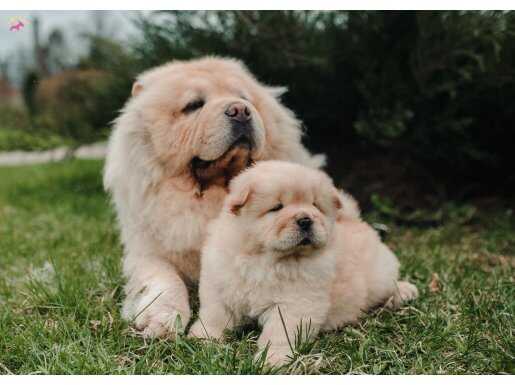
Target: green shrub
(17, 132)
(16, 140)
(72, 104)
(80, 103)
(14, 119)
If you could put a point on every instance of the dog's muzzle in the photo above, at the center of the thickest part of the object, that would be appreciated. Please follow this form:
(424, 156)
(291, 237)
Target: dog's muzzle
(220, 171)
(238, 155)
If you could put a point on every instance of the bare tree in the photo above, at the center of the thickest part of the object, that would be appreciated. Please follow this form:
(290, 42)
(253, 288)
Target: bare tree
(40, 52)
(49, 53)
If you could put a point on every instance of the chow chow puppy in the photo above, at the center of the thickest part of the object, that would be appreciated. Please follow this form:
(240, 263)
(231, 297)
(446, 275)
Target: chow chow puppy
(288, 249)
(188, 128)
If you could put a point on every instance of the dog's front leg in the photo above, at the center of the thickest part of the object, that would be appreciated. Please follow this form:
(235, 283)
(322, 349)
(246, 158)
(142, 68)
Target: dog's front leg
(156, 296)
(214, 316)
(213, 320)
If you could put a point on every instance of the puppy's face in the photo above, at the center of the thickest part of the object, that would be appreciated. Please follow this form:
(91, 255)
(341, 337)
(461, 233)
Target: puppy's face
(204, 117)
(284, 209)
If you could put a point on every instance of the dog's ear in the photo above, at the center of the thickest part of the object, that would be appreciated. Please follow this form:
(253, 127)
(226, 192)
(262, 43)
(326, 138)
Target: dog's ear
(337, 202)
(136, 88)
(238, 199)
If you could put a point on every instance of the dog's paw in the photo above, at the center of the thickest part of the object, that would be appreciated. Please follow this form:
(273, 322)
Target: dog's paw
(275, 356)
(277, 359)
(200, 330)
(155, 324)
(404, 292)
(197, 330)
(156, 312)
(407, 291)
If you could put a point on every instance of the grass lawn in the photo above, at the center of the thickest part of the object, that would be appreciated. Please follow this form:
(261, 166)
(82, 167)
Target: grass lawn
(61, 288)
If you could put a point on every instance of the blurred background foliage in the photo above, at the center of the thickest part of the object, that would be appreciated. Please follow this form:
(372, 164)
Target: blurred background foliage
(414, 106)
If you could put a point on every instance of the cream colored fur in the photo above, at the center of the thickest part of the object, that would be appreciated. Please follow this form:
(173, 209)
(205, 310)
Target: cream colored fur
(253, 263)
(161, 211)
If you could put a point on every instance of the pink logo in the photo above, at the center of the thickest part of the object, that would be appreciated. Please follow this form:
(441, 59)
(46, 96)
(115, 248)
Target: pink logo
(16, 24)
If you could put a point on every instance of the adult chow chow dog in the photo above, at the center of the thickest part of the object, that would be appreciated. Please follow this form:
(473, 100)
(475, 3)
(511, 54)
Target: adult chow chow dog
(291, 251)
(188, 128)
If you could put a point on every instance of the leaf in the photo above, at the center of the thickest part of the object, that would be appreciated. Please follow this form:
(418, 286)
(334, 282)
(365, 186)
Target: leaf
(434, 285)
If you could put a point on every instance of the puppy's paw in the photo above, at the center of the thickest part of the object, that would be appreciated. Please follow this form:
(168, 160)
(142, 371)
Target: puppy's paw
(203, 331)
(277, 360)
(197, 330)
(275, 356)
(404, 292)
(407, 291)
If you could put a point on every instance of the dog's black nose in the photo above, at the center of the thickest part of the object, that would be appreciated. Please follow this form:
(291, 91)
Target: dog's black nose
(239, 112)
(305, 223)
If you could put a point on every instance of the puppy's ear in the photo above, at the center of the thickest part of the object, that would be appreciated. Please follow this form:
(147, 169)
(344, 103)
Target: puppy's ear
(239, 199)
(136, 88)
(337, 202)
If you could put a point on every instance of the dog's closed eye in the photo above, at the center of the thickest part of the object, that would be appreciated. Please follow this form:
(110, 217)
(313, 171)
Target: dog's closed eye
(277, 207)
(318, 207)
(193, 106)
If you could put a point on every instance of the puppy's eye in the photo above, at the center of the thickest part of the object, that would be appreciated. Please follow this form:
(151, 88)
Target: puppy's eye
(193, 106)
(277, 207)
(318, 207)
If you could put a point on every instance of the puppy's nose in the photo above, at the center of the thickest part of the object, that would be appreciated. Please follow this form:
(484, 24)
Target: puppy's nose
(239, 112)
(304, 223)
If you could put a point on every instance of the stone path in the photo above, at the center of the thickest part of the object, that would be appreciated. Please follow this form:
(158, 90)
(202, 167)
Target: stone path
(90, 151)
